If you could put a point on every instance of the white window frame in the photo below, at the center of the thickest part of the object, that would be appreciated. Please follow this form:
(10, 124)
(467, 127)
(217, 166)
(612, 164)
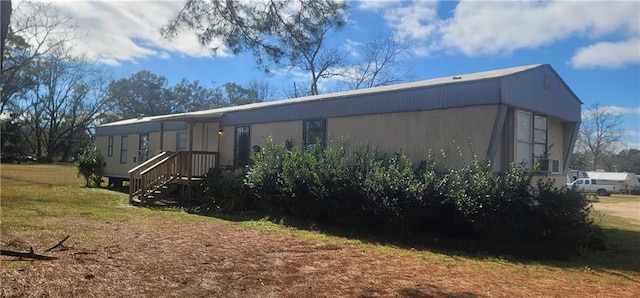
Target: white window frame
(110, 146)
(531, 137)
(124, 148)
(310, 140)
(143, 147)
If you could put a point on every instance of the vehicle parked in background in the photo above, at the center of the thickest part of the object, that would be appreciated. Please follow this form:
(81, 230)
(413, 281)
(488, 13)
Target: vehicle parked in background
(629, 182)
(592, 186)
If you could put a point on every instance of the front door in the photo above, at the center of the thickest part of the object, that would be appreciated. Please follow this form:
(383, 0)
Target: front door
(242, 147)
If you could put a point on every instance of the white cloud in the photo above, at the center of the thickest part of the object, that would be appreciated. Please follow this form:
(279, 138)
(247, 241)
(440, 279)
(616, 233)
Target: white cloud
(352, 47)
(417, 21)
(116, 31)
(501, 27)
(607, 54)
(375, 5)
(615, 110)
(631, 145)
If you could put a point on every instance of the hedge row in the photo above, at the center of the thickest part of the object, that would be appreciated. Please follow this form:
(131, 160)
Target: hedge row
(360, 187)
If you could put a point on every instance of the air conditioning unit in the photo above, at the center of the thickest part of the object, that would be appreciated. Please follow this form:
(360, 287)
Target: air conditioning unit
(550, 166)
(555, 166)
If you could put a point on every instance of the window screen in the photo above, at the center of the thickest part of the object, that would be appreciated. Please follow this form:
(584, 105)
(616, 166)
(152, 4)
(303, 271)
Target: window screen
(531, 137)
(314, 132)
(110, 147)
(124, 144)
(143, 148)
(242, 148)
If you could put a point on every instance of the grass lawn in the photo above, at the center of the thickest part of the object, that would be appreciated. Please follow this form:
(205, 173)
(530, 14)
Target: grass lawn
(619, 198)
(117, 250)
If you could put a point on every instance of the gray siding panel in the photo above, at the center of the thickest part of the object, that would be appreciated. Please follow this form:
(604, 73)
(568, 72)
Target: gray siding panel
(526, 90)
(144, 127)
(521, 88)
(425, 98)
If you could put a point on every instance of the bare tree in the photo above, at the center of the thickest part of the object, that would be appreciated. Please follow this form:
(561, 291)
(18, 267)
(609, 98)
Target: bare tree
(36, 29)
(68, 97)
(264, 91)
(290, 33)
(5, 16)
(378, 63)
(56, 95)
(600, 134)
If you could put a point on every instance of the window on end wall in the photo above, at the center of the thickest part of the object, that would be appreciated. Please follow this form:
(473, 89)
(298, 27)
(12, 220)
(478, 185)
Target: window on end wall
(531, 137)
(124, 143)
(314, 131)
(110, 147)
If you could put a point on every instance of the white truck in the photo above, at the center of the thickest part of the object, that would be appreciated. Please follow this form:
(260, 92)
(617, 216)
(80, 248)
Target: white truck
(592, 186)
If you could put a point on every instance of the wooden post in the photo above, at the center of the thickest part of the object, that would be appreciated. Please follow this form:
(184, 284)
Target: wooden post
(189, 159)
(161, 136)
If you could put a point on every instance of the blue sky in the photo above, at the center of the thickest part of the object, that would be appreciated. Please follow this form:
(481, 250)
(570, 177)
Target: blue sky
(594, 46)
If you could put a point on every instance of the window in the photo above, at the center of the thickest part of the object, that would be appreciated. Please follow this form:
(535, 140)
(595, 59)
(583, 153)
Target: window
(181, 140)
(143, 148)
(314, 132)
(242, 147)
(110, 147)
(531, 137)
(124, 143)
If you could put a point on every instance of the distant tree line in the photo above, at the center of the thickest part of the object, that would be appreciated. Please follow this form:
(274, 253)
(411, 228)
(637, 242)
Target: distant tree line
(148, 94)
(52, 98)
(599, 144)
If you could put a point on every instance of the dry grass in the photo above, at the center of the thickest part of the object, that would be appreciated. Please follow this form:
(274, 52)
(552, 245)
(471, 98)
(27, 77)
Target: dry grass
(118, 250)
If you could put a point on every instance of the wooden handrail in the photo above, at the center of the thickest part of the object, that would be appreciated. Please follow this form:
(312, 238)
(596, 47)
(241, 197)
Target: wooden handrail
(150, 162)
(164, 169)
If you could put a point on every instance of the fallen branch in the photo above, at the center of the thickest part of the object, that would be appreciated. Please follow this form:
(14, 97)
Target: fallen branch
(59, 243)
(27, 255)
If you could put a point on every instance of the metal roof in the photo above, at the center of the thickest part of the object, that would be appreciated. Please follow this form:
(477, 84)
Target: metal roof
(520, 87)
(375, 90)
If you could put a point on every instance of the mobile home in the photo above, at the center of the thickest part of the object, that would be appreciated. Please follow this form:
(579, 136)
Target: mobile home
(521, 114)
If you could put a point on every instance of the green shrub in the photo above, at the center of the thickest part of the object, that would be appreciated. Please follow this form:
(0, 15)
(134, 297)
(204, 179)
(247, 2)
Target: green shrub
(361, 187)
(392, 192)
(226, 192)
(91, 167)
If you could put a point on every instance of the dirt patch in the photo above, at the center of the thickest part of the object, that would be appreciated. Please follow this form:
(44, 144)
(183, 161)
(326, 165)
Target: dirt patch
(208, 258)
(628, 210)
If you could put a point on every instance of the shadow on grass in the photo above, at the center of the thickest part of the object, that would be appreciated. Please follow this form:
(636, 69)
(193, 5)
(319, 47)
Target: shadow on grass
(621, 253)
(26, 181)
(431, 291)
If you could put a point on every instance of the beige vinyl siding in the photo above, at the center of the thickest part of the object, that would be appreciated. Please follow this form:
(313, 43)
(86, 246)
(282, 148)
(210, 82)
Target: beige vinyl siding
(280, 132)
(199, 140)
(415, 133)
(210, 135)
(113, 165)
(132, 150)
(226, 146)
(154, 144)
(169, 141)
(555, 141)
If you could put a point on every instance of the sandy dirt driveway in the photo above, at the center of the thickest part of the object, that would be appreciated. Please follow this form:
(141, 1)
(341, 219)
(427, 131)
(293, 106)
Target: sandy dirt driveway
(628, 210)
